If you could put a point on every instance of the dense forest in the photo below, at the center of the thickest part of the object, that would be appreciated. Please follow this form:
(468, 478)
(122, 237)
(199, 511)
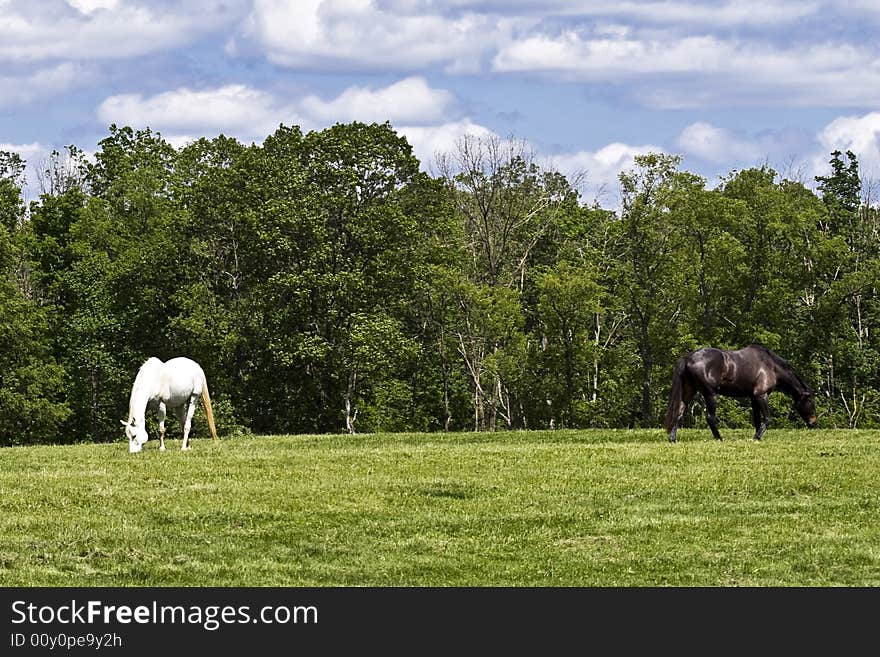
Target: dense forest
(326, 283)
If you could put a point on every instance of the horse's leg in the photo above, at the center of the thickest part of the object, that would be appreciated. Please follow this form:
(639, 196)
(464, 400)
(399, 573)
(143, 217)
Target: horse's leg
(760, 414)
(687, 396)
(711, 406)
(180, 414)
(756, 415)
(160, 412)
(190, 411)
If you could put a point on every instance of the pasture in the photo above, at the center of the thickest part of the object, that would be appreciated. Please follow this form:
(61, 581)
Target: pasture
(562, 508)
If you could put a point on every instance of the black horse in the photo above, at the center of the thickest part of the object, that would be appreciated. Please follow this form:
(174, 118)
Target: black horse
(752, 371)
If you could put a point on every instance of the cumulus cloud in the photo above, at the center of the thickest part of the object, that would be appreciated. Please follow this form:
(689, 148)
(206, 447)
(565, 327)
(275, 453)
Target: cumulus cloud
(422, 114)
(729, 13)
(251, 114)
(610, 55)
(597, 40)
(718, 145)
(365, 35)
(410, 100)
(105, 29)
(181, 115)
(27, 151)
(41, 83)
(91, 6)
(804, 155)
(859, 134)
(664, 69)
(33, 154)
(430, 141)
(235, 110)
(856, 133)
(601, 167)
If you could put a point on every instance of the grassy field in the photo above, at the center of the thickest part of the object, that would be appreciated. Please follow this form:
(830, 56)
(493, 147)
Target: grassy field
(564, 508)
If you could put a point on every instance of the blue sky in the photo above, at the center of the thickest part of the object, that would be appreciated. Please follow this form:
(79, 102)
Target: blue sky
(725, 84)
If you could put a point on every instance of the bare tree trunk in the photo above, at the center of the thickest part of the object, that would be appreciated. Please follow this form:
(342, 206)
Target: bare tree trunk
(447, 416)
(854, 409)
(646, 390)
(350, 416)
(473, 359)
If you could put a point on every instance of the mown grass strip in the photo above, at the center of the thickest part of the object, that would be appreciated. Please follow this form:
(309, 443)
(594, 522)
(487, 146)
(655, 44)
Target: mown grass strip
(563, 508)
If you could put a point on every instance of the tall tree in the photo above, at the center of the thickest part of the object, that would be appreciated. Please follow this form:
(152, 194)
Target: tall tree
(32, 402)
(653, 274)
(850, 302)
(508, 206)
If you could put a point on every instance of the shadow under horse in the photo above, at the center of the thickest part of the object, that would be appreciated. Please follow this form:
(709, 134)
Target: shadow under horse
(752, 371)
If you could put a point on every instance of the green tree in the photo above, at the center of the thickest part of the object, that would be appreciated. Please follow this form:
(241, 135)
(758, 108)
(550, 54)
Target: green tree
(653, 275)
(508, 207)
(848, 303)
(32, 400)
(841, 195)
(217, 322)
(569, 300)
(106, 254)
(343, 243)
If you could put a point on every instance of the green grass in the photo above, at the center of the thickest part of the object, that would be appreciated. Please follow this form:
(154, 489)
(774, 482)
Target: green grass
(564, 508)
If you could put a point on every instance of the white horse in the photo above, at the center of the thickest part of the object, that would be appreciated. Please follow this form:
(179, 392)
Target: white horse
(176, 384)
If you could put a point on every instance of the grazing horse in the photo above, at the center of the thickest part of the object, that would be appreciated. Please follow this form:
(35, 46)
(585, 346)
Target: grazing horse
(752, 371)
(176, 384)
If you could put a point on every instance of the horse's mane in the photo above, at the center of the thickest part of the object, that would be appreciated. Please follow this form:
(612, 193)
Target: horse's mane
(150, 364)
(144, 371)
(784, 364)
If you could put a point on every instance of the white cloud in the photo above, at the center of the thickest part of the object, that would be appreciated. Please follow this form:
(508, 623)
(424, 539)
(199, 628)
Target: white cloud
(27, 151)
(251, 114)
(235, 110)
(665, 70)
(33, 154)
(759, 13)
(805, 156)
(732, 13)
(405, 35)
(718, 145)
(601, 167)
(408, 101)
(856, 133)
(42, 83)
(360, 34)
(429, 141)
(608, 57)
(859, 134)
(91, 6)
(103, 29)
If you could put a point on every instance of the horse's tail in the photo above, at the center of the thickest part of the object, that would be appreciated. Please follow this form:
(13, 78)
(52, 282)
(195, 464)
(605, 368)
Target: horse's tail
(209, 412)
(675, 395)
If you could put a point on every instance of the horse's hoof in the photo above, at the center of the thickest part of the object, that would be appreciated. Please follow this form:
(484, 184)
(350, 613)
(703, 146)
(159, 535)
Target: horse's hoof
(162, 448)
(184, 449)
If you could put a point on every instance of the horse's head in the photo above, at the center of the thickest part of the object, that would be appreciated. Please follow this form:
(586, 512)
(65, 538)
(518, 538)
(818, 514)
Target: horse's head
(137, 436)
(805, 404)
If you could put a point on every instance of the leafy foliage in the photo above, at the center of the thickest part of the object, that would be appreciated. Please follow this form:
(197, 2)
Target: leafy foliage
(327, 284)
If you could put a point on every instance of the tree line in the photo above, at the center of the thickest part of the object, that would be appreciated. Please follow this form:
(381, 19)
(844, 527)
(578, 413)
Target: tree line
(326, 283)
